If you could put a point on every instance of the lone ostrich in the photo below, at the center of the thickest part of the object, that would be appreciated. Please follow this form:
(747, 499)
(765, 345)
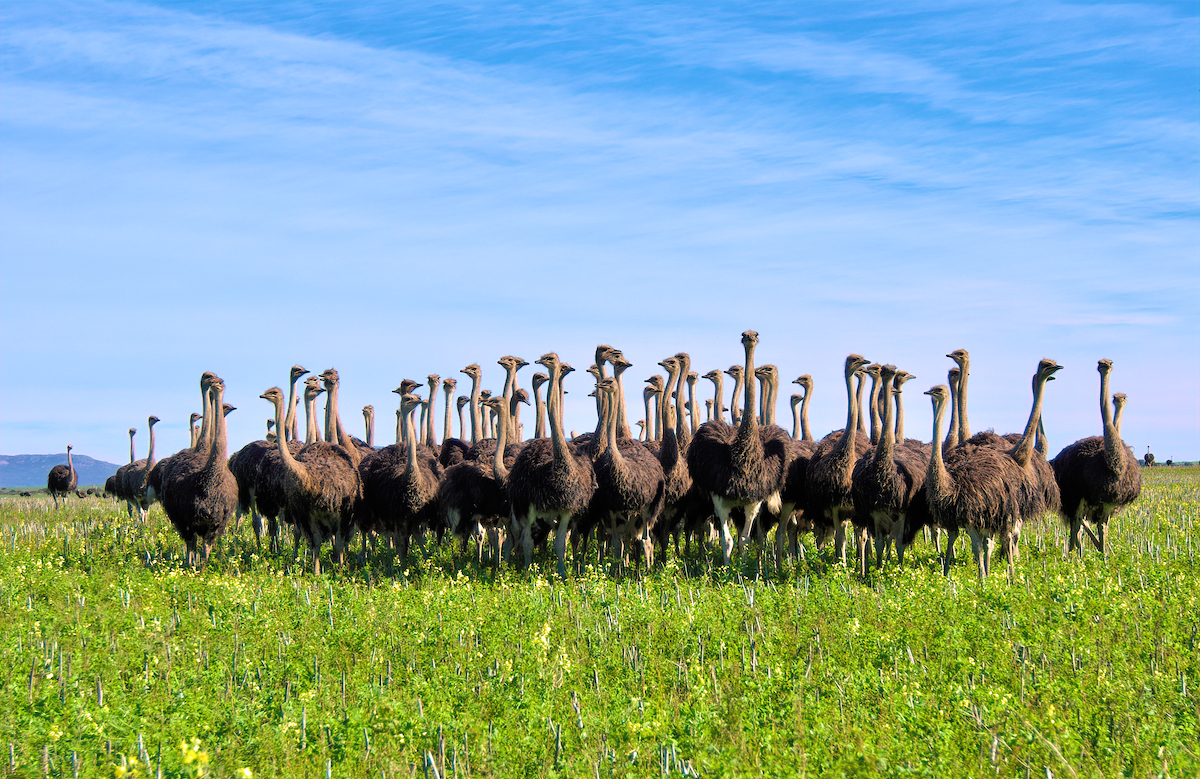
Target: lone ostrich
(551, 480)
(62, 479)
(733, 469)
(1098, 475)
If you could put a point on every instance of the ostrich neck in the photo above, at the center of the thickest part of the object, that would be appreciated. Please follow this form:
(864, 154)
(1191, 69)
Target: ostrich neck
(899, 417)
(285, 453)
(369, 419)
(770, 398)
(937, 479)
(1112, 437)
(808, 436)
(747, 434)
(862, 425)
(431, 429)
(462, 426)
(423, 425)
(952, 436)
(886, 447)
(193, 432)
(476, 419)
(499, 472)
(796, 418)
(876, 423)
(446, 429)
(622, 418)
(132, 454)
(539, 406)
(693, 406)
(718, 398)
(647, 429)
(558, 441)
(399, 427)
(1023, 449)
(1118, 410)
(735, 400)
(71, 463)
(312, 433)
(219, 452)
(410, 444)
(1043, 444)
(845, 445)
(610, 418)
(964, 426)
(289, 425)
(149, 455)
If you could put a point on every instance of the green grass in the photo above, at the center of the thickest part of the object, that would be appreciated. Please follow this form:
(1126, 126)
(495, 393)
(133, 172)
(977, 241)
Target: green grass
(1074, 666)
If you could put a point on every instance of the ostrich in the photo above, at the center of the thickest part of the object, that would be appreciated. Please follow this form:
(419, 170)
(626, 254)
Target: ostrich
(551, 479)
(134, 478)
(199, 493)
(270, 478)
(885, 483)
(511, 365)
(454, 450)
(246, 463)
(982, 487)
(952, 377)
(830, 470)
(730, 464)
(474, 493)
(629, 483)
(708, 409)
(1098, 475)
(321, 486)
(654, 392)
(62, 479)
(778, 448)
(963, 360)
(671, 456)
(120, 475)
(794, 497)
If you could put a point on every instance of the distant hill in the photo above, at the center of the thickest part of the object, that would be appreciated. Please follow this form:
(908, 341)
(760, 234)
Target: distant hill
(30, 470)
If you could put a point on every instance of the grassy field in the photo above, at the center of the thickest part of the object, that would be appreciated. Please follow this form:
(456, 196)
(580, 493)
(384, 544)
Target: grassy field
(116, 662)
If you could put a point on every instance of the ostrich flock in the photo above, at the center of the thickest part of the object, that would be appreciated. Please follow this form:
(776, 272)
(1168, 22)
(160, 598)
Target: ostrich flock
(726, 481)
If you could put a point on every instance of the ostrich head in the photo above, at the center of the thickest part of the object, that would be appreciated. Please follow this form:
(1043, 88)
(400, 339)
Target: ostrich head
(750, 338)
(273, 395)
(805, 381)
(448, 385)
(655, 382)
(901, 377)
(1104, 365)
(296, 372)
(473, 370)
(539, 379)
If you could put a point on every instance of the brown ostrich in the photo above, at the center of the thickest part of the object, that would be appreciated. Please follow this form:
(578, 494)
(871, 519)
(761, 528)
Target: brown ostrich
(1098, 475)
(552, 480)
(321, 484)
(62, 479)
(730, 464)
(199, 494)
(830, 501)
(135, 477)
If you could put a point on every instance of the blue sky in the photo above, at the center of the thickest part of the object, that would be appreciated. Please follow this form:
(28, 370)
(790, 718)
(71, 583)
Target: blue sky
(402, 189)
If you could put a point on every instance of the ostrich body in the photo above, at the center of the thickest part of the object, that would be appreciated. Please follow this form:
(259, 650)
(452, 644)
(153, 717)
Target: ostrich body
(62, 479)
(629, 484)
(271, 481)
(830, 471)
(1098, 475)
(321, 485)
(730, 465)
(552, 479)
(135, 477)
(199, 492)
(885, 483)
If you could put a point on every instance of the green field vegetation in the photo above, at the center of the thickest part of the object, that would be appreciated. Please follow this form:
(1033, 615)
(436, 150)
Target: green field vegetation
(116, 661)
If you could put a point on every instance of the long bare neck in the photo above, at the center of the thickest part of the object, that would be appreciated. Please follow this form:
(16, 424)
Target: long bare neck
(808, 436)
(289, 425)
(206, 421)
(149, 455)
(499, 471)
(952, 436)
(611, 419)
(446, 429)
(718, 397)
(194, 432)
(132, 453)
(857, 403)
(735, 399)
(769, 399)
(71, 464)
(410, 442)
(285, 453)
(476, 419)
(876, 422)
(964, 426)
(693, 405)
(462, 427)
(1118, 410)
(539, 427)
(424, 424)
(219, 452)
(312, 431)
(846, 443)
(603, 435)
(887, 434)
(1113, 448)
(622, 418)
(648, 425)
(331, 431)
(369, 420)
(431, 429)
(899, 416)
(748, 427)
(937, 479)
(1023, 449)
(558, 440)
(796, 401)
(399, 427)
